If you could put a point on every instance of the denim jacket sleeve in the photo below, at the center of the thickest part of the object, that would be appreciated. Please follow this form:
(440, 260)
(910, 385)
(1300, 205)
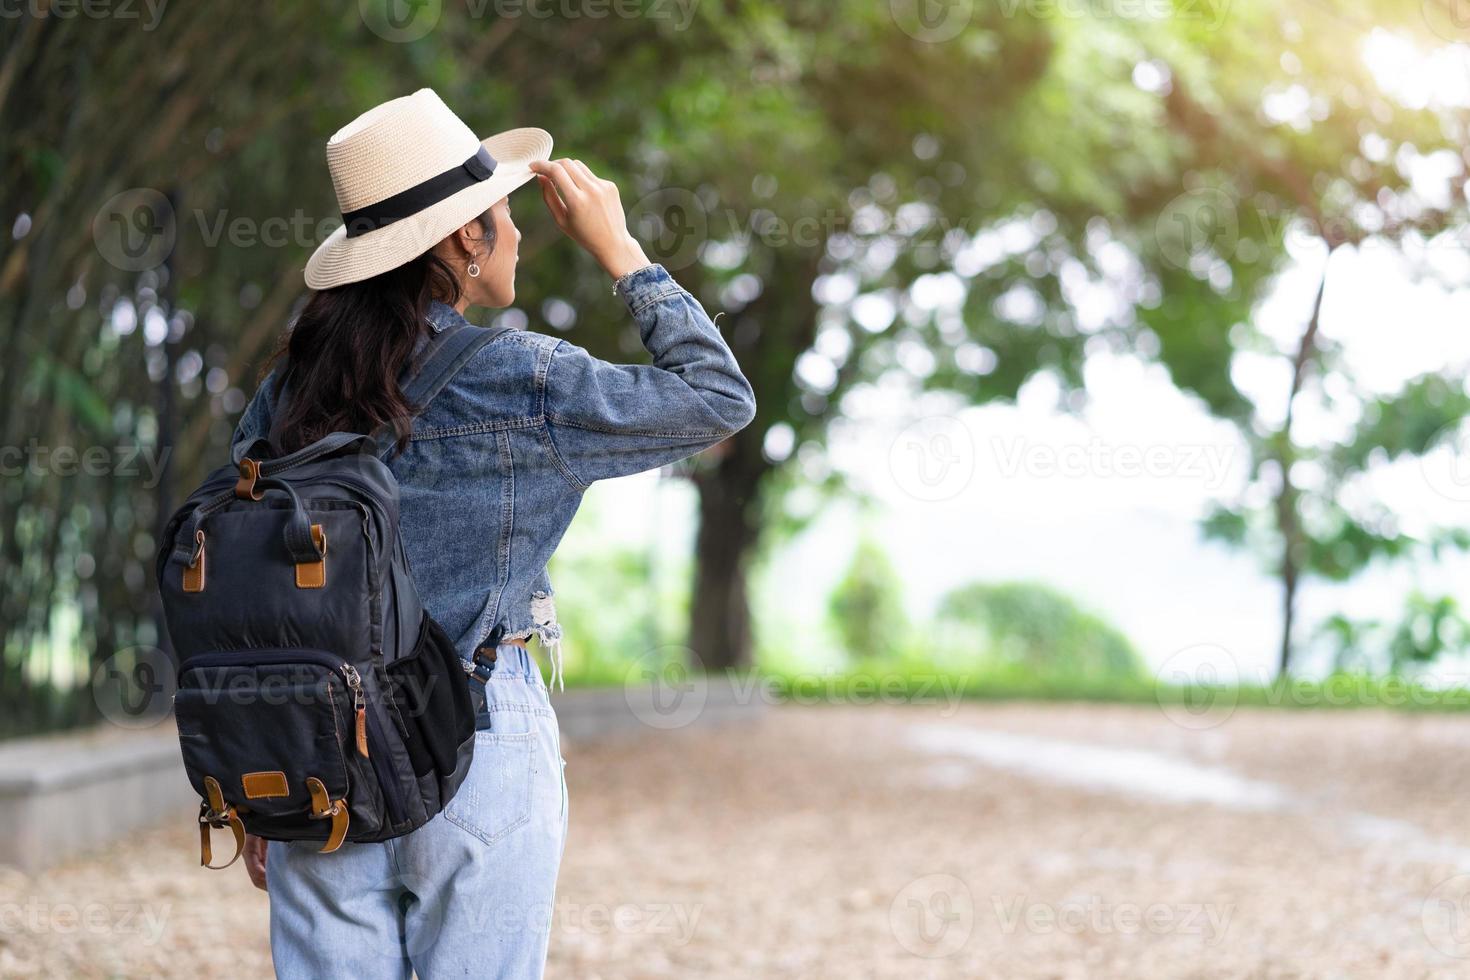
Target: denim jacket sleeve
(609, 420)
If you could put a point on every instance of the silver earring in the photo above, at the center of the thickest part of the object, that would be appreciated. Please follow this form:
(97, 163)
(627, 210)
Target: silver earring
(474, 270)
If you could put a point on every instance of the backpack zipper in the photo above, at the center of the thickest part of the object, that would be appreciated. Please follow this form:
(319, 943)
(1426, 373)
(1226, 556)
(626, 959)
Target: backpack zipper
(359, 704)
(349, 674)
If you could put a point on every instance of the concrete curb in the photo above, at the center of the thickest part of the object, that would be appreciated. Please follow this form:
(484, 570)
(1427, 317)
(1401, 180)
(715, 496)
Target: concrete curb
(64, 795)
(644, 709)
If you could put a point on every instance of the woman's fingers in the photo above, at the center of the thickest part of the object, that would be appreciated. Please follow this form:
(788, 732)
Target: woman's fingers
(587, 208)
(553, 200)
(255, 848)
(574, 176)
(585, 177)
(560, 175)
(580, 174)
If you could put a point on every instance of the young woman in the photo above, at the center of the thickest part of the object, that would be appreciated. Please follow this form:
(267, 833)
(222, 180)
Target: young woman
(491, 472)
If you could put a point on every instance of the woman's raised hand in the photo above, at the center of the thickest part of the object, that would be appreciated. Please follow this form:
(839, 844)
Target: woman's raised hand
(588, 209)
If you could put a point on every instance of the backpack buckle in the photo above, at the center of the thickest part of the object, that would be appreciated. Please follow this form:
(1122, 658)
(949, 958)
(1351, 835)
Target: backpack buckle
(323, 807)
(485, 652)
(214, 812)
(245, 486)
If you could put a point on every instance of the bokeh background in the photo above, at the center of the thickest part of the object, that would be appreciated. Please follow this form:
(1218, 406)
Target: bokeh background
(1112, 391)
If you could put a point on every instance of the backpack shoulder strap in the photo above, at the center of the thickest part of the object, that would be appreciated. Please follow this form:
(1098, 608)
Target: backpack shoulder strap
(442, 358)
(436, 365)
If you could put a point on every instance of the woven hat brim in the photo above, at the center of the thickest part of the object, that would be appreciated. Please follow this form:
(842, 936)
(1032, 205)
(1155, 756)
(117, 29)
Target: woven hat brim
(340, 260)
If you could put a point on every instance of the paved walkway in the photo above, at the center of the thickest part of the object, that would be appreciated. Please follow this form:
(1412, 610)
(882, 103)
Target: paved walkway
(992, 841)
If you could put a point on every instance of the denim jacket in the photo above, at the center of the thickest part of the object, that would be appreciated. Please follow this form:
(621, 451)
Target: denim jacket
(497, 463)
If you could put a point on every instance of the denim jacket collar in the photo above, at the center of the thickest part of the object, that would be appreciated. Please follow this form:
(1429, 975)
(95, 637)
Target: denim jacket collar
(442, 316)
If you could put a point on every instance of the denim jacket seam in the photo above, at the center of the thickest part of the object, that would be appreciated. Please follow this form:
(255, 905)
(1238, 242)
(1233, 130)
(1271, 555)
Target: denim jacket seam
(655, 433)
(638, 304)
(565, 469)
(507, 527)
(526, 338)
(476, 428)
(543, 374)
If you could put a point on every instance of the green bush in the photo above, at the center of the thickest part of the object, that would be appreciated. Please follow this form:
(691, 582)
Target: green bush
(866, 607)
(1034, 628)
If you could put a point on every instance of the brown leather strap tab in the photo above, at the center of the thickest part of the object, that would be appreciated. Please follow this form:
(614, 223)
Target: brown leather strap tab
(313, 574)
(214, 812)
(362, 743)
(194, 571)
(245, 487)
(323, 807)
(206, 854)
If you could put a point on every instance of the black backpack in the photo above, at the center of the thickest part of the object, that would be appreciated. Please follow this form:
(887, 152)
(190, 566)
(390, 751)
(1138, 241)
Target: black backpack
(317, 700)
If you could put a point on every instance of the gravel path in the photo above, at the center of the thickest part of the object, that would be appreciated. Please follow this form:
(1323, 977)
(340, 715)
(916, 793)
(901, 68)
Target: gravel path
(994, 841)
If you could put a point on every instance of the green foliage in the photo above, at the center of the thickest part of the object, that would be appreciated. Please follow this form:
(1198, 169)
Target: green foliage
(1332, 177)
(614, 604)
(814, 140)
(866, 607)
(1035, 628)
(1428, 628)
(923, 682)
(1410, 422)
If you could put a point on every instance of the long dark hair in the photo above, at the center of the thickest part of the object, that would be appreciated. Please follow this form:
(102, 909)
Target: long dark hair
(349, 344)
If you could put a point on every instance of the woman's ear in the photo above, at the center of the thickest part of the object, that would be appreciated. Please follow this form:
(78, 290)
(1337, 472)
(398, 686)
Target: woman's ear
(470, 237)
(464, 239)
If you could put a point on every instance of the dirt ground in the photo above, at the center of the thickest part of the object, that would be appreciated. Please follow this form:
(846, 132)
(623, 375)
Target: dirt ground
(1014, 841)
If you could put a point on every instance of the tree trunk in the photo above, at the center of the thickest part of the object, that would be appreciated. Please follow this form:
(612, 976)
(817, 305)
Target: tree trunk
(1288, 518)
(720, 635)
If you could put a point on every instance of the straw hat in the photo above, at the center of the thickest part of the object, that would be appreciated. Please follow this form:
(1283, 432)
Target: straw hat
(407, 174)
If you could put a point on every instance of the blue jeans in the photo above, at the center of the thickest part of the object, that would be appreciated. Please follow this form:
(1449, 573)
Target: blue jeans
(471, 892)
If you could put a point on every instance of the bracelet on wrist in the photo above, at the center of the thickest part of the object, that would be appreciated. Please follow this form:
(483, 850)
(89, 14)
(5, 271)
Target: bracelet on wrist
(617, 286)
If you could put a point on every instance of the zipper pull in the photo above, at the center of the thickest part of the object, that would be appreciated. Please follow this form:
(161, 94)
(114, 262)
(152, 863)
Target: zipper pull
(359, 702)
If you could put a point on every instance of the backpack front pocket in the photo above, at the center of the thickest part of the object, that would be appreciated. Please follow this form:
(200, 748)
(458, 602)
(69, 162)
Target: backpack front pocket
(279, 730)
